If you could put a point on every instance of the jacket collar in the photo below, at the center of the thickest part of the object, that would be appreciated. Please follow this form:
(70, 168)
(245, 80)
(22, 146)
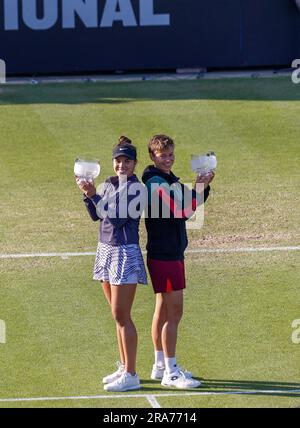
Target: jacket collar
(152, 171)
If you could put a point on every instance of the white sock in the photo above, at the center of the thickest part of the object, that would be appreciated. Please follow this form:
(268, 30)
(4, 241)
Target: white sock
(130, 374)
(170, 364)
(159, 359)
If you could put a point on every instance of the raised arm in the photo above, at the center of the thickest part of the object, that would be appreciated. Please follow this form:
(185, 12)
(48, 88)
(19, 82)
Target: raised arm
(90, 198)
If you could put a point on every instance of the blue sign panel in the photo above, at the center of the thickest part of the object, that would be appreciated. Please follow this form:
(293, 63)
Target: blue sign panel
(61, 36)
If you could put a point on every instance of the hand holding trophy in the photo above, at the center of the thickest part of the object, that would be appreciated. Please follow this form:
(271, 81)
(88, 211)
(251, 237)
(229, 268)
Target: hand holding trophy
(85, 172)
(204, 165)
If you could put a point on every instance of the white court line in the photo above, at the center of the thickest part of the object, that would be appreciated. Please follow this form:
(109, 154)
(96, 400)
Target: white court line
(147, 396)
(194, 251)
(31, 255)
(242, 250)
(152, 400)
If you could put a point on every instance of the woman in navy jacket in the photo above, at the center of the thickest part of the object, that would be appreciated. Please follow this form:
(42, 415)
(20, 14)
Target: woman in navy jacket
(119, 263)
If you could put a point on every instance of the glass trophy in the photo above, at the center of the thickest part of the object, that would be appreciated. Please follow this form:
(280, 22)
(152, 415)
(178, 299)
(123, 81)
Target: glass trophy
(87, 169)
(204, 163)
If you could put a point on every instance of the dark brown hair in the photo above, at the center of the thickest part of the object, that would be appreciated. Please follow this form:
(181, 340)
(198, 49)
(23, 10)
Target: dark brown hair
(124, 140)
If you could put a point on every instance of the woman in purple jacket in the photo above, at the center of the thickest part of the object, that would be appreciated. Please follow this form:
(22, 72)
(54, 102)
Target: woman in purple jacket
(119, 263)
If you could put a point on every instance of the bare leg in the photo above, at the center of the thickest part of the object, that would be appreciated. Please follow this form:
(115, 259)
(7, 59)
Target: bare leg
(174, 309)
(122, 297)
(158, 321)
(106, 287)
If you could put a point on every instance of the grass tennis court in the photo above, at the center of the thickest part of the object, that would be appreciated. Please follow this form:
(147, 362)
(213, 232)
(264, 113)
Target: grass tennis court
(236, 331)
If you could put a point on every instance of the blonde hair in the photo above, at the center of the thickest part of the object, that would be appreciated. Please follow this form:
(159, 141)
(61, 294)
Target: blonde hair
(160, 143)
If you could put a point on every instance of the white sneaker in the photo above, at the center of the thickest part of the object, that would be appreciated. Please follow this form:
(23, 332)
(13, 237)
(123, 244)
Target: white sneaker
(186, 372)
(158, 372)
(126, 382)
(179, 380)
(114, 376)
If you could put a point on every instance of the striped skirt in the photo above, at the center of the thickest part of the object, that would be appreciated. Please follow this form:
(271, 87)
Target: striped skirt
(120, 264)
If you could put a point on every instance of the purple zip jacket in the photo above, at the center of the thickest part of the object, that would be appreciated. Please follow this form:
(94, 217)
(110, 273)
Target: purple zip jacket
(114, 230)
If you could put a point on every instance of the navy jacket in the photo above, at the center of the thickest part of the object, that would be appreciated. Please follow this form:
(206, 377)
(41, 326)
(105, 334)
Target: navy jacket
(167, 237)
(114, 230)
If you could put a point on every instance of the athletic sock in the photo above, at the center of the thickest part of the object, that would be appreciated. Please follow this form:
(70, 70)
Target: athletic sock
(170, 364)
(159, 359)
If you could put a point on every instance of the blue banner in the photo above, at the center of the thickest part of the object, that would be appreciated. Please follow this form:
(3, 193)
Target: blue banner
(61, 36)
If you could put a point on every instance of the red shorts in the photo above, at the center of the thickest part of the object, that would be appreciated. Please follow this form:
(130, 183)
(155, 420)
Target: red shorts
(167, 275)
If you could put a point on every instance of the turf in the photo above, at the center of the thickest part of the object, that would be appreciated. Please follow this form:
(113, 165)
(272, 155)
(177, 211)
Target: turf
(236, 331)
(252, 125)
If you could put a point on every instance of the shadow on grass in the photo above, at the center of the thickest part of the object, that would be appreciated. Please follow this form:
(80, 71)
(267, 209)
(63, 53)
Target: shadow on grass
(265, 89)
(238, 387)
